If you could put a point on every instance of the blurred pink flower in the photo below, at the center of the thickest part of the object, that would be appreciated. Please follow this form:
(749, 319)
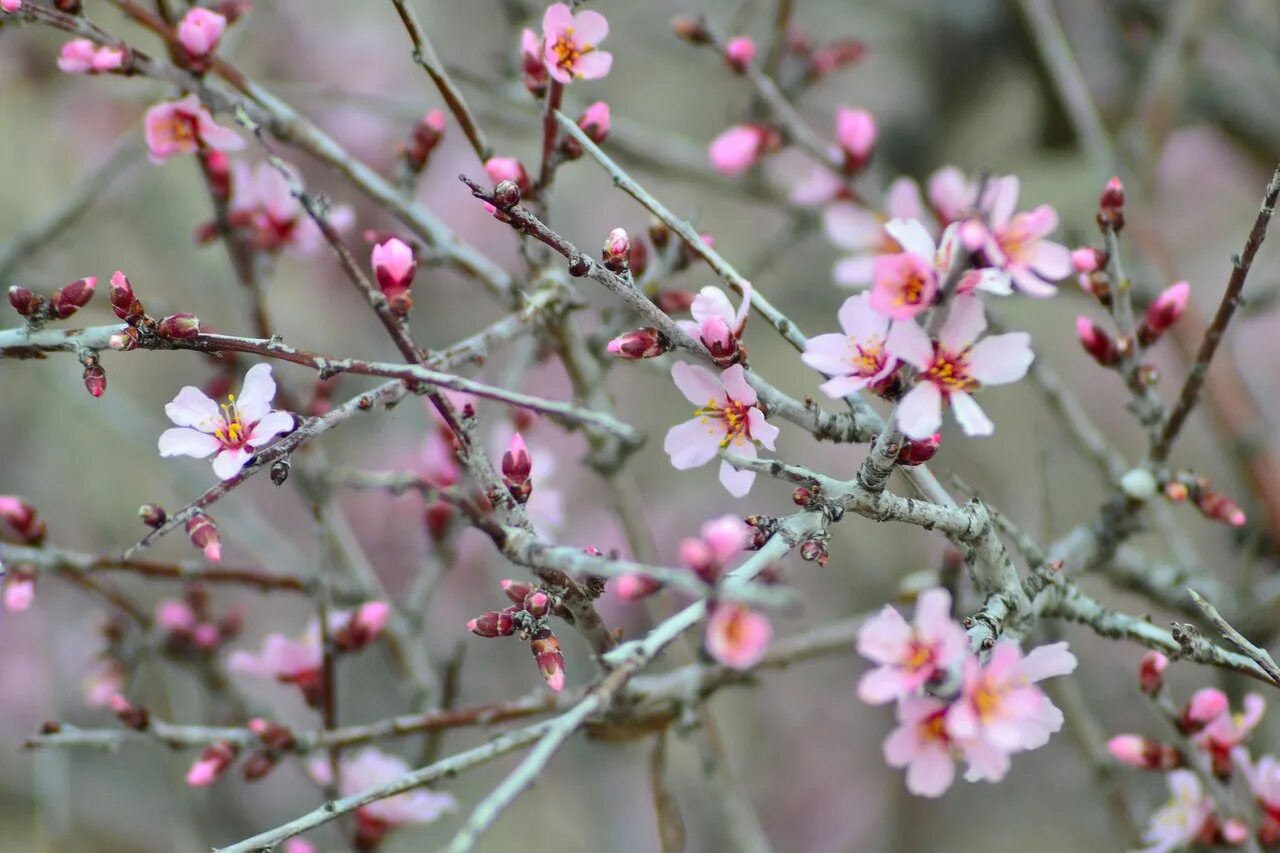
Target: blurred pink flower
(910, 655)
(234, 431)
(726, 418)
(737, 149)
(852, 226)
(736, 636)
(951, 195)
(1226, 731)
(856, 135)
(571, 42)
(10, 6)
(1180, 822)
(921, 744)
(200, 30)
(175, 615)
(740, 51)
(105, 681)
(719, 541)
(857, 358)
(1204, 706)
(19, 591)
(183, 127)
(82, 56)
(261, 200)
(954, 367)
(371, 768)
(1016, 246)
(905, 283)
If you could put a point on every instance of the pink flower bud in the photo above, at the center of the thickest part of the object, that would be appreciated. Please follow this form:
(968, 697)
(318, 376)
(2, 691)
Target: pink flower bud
(517, 464)
(737, 149)
(123, 302)
(532, 67)
(10, 6)
(256, 767)
(108, 59)
(18, 514)
(1163, 313)
(1097, 343)
(617, 250)
(1205, 705)
(394, 266)
(1111, 206)
(203, 534)
(740, 52)
(24, 301)
(200, 30)
(1144, 753)
(517, 591)
(1218, 507)
(213, 761)
(918, 452)
(638, 344)
(537, 604)
(546, 652)
(179, 327)
(363, 627)
(834, 56)
(132, 716)
(76, 56)
(19, 590)
(675, 301)
(718, 337)
(856, 134)
(427, 134)
(95, 380)
(633, 587)
(502, 169)
(272, 735)
(1151, 672)
(175, 616)
(1086, 259)
(495, 623)
(73, 297)
(206, 636)
(1234, 831)
(596, 121)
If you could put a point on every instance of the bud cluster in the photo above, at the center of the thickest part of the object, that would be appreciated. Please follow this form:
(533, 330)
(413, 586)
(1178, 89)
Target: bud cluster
(191, 628)
(527, 617)
(64, 301)
(1212, 504)
(20, 519)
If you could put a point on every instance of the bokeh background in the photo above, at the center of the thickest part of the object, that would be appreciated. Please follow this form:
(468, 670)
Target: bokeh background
(1189, 93)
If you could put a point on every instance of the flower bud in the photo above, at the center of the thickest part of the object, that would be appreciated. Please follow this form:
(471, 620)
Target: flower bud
(833, 56)
(132, 716)
(517, 465)
(546, 651)
(1086, 260)
(199, 32)
(1151, 672)
(179, 327)
(123, 302)
(533, 68)
(616, 253)
(856, 134)
(19, 588)
(258, 766)
(1144, 753)
(21, 517)
(739, 53)
(1218, 507)
(596, 121)
(70, 299)
(640, 343)
(814, 551)
(1163, 313)
(1205, 705)
(1111, 206)
(394, 265)
(690, 29)
(24, 301)
(633, 587)
(1176, 492)
(638, 259)
(438, 515)
(203, 534)
(427, 134)
(212, 763)
(95, 379)
(124, 340)
(537, 604)
(1097, 343)
(802, 496)
(273, 735)
(364, 626)
(919, 451)
(506, 195)
(495, 623)
(502, 169)
(517, 591)
(720, 341)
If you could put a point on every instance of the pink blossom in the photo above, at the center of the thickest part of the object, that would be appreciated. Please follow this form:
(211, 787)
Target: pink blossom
(1264, 780)
(393, 265)
(905, 283)
(737, 637)
(174, 615)
(856, 134)
(954, 367)
(858, 357)
(910, 656)
(82, 56)
(533, 69)
(720, 540)
(1016, 245)
(19, 592)
(1205, 706)
(596, 120)
(1001, 711)
(1226, 731)
(371, 768)
(299, 845)
(184, 127)
(717, 324)
(951, 195)
(820, 186)
(211, 764)
(633, 587)
(1182, 819)
(261, 200)
(727, 418)
(200, 30)
(921, 744)
(502, 169)
(571, 42)
(737, 149)
(854, 227)
(234, 431)
(283, 658)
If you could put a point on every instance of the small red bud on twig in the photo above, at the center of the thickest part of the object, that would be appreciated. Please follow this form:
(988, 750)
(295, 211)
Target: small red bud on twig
(1163, 313)
(203, 534)
(546, 652)
(95, 379)
(70, 299)
(918, 452)
(1111, 206)
(179, 327)
(690, 29)
(24, 301)
(1151, 672)
(152, 515)
(123, 302)
(495, 623)
(1097, 343)
(517, 591)
(640, 343)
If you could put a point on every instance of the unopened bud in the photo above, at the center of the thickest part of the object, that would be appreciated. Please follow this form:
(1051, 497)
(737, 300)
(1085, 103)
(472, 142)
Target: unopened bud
(280, 472)
(152, 515)
(1176, 492)
(633, 587)
(363, 627)
(273, 735)
(1151, 672)
(1163, 313)
(95, 379)
(1205, 705)
(1097, 343)
(517, 465)
(217, 170)
(719, 339)
(740, 52)
(179, 327)
(1218, 507)
(616, 253)
(394, 265)
(856, 133)
(1087, 259)
(506, 195)
(834, 56)
(546, 652)
(537, 604)
(801, 496)
(427, 134)
(24, 301)
(203, 534)
(124, 340)
(132, 716)
(21, 517)
(517, 591)
(258, 766)
(70, 299)
(814, 551)
(919, 451)
(638, 260)
(690, 29)
(123, 302)
(596, 121)
(1111, 206)
(1144, 753)
(640, 343)
(495, 623)
(212, 763)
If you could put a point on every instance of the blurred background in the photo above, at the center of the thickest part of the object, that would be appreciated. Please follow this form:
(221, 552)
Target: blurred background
(1188, 94)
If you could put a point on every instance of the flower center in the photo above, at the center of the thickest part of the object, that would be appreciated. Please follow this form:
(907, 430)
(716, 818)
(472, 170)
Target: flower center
(950, 371)
(911, 292)
(935, 727)
(867, 358)
(181, 128)
(232, 433)
(568, 51)
(919, 657)
(985, 701)
(732, 417)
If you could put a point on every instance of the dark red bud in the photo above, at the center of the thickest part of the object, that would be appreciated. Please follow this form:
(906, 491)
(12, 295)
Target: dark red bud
(1097, 343)
(203, 534)
(919, 451)
(517, 591)
(537, 604)
(640, 343)
(73, 297)
(690, 29)
(95, 380)
(24, 301)
(495, 623)
(179, 327)
(546, 652)
(258, 766)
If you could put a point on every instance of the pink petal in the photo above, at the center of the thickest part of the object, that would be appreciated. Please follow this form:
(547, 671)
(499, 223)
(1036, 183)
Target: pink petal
(843, 386)
(229, 462)
(828, 353)
(556, 20)
(1031, 284)
(969, 415)
(269, 427)
(860, 321)
(933, 612)
(1046, 662)
(735, 150)
(184, 441)
(590, 28)
(761, 430)
(902, 201)
(919, 413)
(218, 137)
(692, 443)
(884, 638)
(965, 321)
(734, 381)
(854, 271)
(699, 385)
(1052, 261)
(256, 393)
(987, 762)
(910, 343)
(594, 65)
(1002, 199)
(1000, 359)
(949, 193)
(881, 685)
(193, 408)
(931, 773)
(738, 483)
(912, 236)
(902, 745)
(852, 227)
(712, 301)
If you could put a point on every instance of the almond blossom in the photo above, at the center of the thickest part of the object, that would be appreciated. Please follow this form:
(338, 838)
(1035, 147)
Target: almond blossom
(954, 367)
(262, 201)
(910, 655)
(727, 418)
(570, 44)
(1015, 243)
(184, 127)
(1001, 711)
(852, 226)
(1183, 819)
(719, 541)
(1264, 781)
(372, 768)
(737, 636)
(234, 431)
(1226, 731)
(857, 358)
(921, 744)
(717, 324)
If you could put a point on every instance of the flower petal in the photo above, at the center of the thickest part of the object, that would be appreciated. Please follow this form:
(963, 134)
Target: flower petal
(184, 441)
(965, 321)
(699, 385)
(193, 408)
(903, 201)
(910, 343)
(229, 462)
(589, 27)
(738, 483)
(594, 65)
(1000, 359)
(931, 773)
(970, 416)
(275, 423)
(860, 321)
(912, 236)
(761, 430)
(692, 443)
(1052, 261)
(1001, 200)
(828, 353)
(734, 381)
(712, 302)
(919, 413)
(843, 386)
(854, 271)
(852, 227)
(256, 393)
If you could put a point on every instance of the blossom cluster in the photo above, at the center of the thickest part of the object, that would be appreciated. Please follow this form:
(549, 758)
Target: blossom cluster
(951, 705)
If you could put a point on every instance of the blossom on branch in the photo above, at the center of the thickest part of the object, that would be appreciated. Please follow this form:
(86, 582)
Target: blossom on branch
(570, 44)
(372, 768)
(910, 655)
(185, 127)
(718, 325)
(727, 418)
(737, 636)
(1015, 243)
(234, 431)
(82, 56)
